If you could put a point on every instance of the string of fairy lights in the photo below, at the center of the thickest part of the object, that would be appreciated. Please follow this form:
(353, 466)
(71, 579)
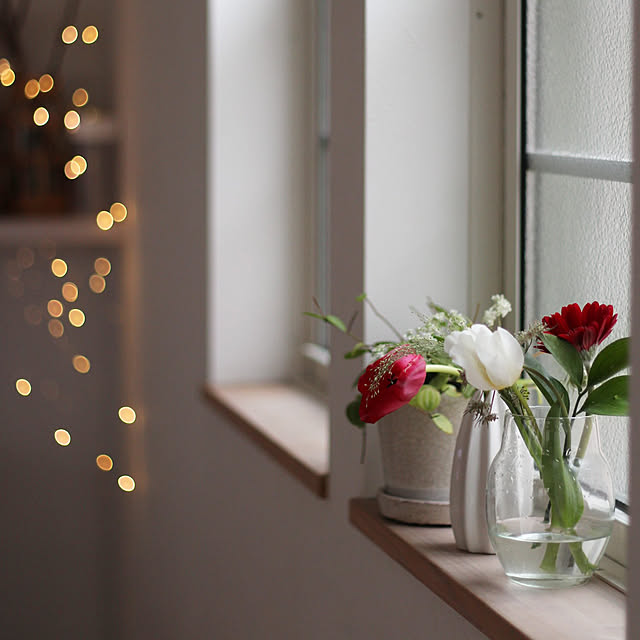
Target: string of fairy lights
(67, 307)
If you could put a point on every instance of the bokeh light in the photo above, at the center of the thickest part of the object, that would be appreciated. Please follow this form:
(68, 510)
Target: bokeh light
(25, 257)
(118, 211)
(97, 283)
(33, 315)
(80, 97)
(69, 34)
(71, 119)
(81, 364)
(69, 292)
(82, 164)
(102, 266)
(62, 437)
(71, 169)
(41, 116)
(104, 462)
(54, 307)
(23, 386)
(46, 83)
(104, 220)
(89, 34)
(5, 65)
(76, 317)
(126, 483)
(7, 77)
(56, 328)
(127, 415)
(32, 89)
(58, 267)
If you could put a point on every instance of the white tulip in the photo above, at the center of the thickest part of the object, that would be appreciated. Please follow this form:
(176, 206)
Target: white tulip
(490, 359)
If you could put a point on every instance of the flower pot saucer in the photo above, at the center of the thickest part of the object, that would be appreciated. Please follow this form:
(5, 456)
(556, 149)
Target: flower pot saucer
(412, 511)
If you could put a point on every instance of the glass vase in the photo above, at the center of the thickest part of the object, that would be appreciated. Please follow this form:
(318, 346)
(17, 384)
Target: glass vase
(550, 512)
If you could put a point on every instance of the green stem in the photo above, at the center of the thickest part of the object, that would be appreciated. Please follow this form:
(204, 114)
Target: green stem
(525, 406)
(442, 368)
(584, 441)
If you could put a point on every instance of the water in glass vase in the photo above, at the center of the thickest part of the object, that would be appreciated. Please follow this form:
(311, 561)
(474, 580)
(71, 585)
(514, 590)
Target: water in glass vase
(536, 557)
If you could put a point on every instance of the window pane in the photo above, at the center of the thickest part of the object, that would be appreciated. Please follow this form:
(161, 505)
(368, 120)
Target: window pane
(579, 77)
(579, 250)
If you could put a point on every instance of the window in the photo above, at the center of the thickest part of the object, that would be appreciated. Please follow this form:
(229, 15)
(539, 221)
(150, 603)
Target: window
(577, 171)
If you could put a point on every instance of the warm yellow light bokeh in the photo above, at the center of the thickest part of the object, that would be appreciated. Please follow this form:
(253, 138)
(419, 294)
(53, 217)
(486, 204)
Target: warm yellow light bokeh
(81, 163)
(33, 315)
(102, 266)
(104, 220)
(126, 483)
(89, 34)
(62, 437)
(76, 317)
(69, 34)
(80, 97)
(32, 89)
(97, 283)
(4, 65)
(41, 116)
(127, 415)
(56, 328)
(81, 364)
(7, 77)
(46, 83)
(54, 307)
(104, 462)
(71, 170)
(23, 387)
(58, 267)
(118, 211)
(71, 119)
(69, 292)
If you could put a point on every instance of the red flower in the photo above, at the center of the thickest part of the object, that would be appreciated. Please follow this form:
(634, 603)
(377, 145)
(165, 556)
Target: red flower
(389, 383)
(583, 328)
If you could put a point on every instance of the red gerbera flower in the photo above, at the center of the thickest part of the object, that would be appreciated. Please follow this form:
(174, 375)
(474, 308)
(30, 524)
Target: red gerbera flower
(583, 328)
(389, 383)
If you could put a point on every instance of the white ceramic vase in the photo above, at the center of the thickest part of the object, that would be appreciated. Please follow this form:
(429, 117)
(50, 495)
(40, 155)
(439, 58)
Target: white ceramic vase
(416, 464)
(476, 446)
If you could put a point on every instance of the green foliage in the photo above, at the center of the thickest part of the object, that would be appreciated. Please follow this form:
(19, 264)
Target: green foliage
(566, 355)
(611, 360)
(427, 399)
(442, 422)
(361, 297)
(551, 388)
(329, 319)
(359, 349)
(353, 413)
(609, 399)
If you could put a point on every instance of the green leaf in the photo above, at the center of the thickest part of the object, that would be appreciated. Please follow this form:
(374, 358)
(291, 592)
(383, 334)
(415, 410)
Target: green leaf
(361, 297)
(468, 391)
(552, 389)
(609, 399)
(565, 494)
(358, 350)
(353, 412)
(566, 355)
(439, 380)
(451, 390)
(442, 422)
(611, 360)
(336, 322)
(313, 315)
(427, 399)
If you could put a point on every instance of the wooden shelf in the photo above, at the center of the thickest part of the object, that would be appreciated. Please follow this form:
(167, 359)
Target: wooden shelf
(287, 423)
(476, 587)
(70, 231)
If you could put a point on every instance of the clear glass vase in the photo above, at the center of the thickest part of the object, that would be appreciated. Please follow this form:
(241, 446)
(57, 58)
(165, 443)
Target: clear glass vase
(550, 512)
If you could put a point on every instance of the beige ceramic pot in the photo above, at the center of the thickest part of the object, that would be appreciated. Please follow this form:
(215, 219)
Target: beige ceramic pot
(416, 463)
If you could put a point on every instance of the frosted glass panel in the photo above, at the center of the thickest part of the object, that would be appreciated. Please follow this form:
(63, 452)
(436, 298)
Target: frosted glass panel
(579, 250)
(579, 77)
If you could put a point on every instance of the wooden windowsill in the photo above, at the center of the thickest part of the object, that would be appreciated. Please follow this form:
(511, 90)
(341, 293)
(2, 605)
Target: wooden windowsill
(287, 423)
(476, 587)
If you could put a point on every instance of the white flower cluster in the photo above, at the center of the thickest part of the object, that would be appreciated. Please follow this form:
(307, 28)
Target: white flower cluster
(499, 308)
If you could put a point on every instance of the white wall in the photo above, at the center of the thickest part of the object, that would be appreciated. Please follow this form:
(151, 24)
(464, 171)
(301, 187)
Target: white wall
(417, 142)
(224, 543)
(260, 81)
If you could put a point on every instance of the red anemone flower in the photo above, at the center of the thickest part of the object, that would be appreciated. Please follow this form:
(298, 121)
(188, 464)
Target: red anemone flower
(401, 379)
(583, 328)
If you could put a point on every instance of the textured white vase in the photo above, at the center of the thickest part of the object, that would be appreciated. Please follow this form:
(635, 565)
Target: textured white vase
(476, 446)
